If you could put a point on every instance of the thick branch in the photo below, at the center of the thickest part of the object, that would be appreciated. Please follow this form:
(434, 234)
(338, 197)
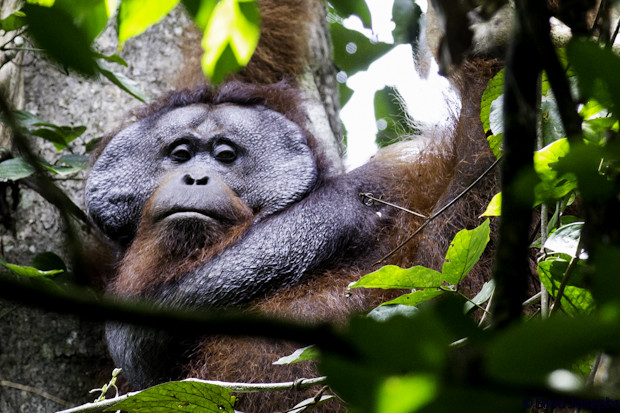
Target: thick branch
(520, 100)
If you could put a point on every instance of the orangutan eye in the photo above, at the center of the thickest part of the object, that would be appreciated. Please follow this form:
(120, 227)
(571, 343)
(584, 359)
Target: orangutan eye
(225, 153)
(181, 153)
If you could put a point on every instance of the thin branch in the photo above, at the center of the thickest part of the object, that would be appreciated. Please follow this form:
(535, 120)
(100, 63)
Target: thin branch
(33, 390)
(435, 215)
(301, 384)
(381, 201)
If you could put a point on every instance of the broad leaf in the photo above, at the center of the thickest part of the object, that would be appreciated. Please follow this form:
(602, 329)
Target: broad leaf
(55, 31)
(230, 37)
(552, 185)
(135, 16)
(404, 394)
(392, 276)
(406, 16)
(464, 252)
(13, 21)
(26, 271)
(346, 8)
(597, 71)
(200, 10)
(301, 354)
(89, 15)
(15, 169)
(576, 299)
(565, 239)
(494, 209)
(483, 296)
(494, 89)
(179, 396)
(353, 51)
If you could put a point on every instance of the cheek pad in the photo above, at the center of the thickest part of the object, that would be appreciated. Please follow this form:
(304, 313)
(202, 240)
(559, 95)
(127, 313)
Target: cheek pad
(120, 182)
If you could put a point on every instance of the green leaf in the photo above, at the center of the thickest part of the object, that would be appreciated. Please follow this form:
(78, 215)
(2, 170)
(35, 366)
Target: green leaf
(346, 8)
(26, 271)
(392, 120)
(60, 136)
(26, 119)
(135, 16)
(13, 21)
(46, 3)
(494, 209)
(91, 16)
(310, 404)
(494, 89)
(54, 30)
(464, 252)
(565, 239)
(575, 299)
(92, 144)
(15, 169)
(230, 37)
(406, 16)
(496, 116)
(353, 51)
(559, 342)
(482, 297)
(549, 155)
(200, 10)
(393, 347)
(552, 185)
(552, 128)
(179, 396)
(415, 298)
(114, 58)
(301, 354)
(495, 143)
(404, 394)
(597, 71)
(128, 85)
(74, 160)
(48, 261)
(596, 130)
(344, 92)
(385, 312)
(392, 276)
(111, 6)
(73, 163)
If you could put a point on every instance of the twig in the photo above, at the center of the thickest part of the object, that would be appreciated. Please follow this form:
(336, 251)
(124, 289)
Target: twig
(381, 201)
(33, 390)
(435, 215)
(300, 384)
